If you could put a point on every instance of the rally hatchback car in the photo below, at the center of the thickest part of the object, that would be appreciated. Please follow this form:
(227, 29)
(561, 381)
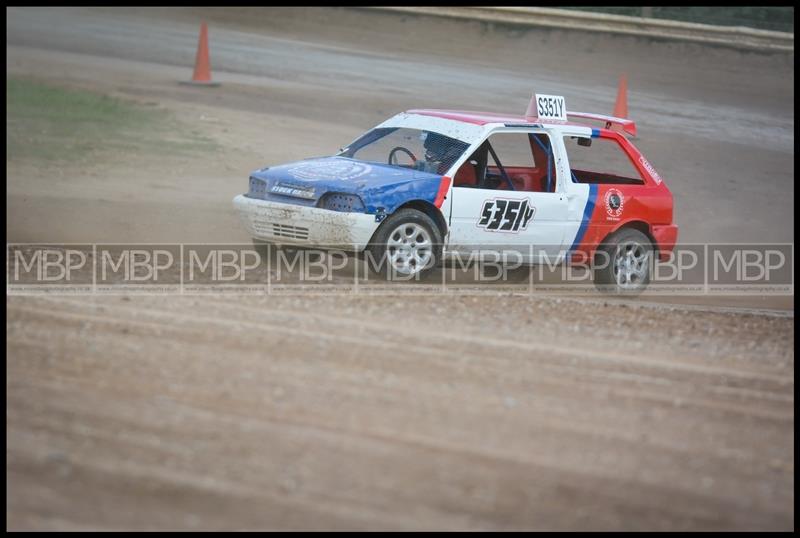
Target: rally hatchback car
(426, 185)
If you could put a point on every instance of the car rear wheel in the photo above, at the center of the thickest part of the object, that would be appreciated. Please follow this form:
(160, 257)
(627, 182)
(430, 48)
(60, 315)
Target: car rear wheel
(622, 263)
(407, 245)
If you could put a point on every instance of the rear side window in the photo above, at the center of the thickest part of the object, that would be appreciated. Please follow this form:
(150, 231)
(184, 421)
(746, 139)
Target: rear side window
(604, 161)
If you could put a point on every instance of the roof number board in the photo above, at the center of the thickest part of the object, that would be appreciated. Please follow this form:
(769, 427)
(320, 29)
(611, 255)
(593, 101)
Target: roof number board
(551, 107)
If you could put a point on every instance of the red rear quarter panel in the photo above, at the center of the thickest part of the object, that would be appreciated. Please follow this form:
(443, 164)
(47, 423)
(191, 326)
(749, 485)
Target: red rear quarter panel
(647, 207)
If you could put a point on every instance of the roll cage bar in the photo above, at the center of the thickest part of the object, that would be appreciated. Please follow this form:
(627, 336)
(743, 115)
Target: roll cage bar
(486, 148)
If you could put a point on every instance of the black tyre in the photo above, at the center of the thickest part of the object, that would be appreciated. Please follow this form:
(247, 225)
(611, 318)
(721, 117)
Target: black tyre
(623, 262)
(407, 245)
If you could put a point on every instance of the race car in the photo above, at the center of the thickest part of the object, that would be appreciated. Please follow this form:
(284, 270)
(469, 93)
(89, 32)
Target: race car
(427, 185)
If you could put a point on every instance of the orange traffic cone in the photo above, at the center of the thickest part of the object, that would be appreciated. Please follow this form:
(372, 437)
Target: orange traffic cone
(621, 106)
(202, 65)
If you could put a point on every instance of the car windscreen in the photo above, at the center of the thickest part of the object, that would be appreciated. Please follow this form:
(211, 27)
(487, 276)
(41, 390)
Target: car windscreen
(410, 148)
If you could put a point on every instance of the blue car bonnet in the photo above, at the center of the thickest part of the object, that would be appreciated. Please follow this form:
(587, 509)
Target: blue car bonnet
(378, 185)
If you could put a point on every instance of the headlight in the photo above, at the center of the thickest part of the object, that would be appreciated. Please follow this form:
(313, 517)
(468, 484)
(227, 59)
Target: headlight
(346, 203)
(258, 188)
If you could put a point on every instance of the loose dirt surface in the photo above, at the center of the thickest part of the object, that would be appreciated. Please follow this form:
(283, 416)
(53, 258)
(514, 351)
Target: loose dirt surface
(402, 411)
(366, 413)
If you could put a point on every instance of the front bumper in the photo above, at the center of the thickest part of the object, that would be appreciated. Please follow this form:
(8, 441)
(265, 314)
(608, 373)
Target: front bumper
(289, 224)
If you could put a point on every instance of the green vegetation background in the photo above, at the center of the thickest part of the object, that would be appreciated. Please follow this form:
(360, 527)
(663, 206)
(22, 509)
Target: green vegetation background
(777, 18)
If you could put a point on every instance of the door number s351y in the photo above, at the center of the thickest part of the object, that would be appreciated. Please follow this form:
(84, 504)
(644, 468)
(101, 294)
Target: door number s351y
(502, 215)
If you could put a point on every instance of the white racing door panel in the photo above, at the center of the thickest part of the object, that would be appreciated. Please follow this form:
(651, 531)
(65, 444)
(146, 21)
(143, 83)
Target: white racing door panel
(532, 224)
(524, 222)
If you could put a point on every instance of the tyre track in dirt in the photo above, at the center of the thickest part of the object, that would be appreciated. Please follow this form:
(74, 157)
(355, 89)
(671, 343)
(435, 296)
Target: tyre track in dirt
(347, 331)
(314, 389)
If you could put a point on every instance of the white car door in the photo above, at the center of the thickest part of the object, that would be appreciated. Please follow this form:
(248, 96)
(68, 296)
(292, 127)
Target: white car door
(527, 222)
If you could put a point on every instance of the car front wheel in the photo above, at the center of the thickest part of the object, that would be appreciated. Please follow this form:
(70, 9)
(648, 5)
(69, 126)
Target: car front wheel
(407, 245)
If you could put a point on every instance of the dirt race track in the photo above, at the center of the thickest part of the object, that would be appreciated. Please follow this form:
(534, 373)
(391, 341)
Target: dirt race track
(479, 411)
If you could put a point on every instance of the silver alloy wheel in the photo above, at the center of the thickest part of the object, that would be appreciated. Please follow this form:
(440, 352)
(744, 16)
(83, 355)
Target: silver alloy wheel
(631, 265)
(409, 248)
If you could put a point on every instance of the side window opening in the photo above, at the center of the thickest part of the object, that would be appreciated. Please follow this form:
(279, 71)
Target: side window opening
(525, 160)
(543, 155)
(600, 161)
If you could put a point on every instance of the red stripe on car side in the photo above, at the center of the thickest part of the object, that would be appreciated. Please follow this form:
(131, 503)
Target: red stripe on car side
(443, 187)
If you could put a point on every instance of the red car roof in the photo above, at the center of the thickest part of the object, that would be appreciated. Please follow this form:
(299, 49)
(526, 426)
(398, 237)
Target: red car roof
(478, 118)
(482, 118)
